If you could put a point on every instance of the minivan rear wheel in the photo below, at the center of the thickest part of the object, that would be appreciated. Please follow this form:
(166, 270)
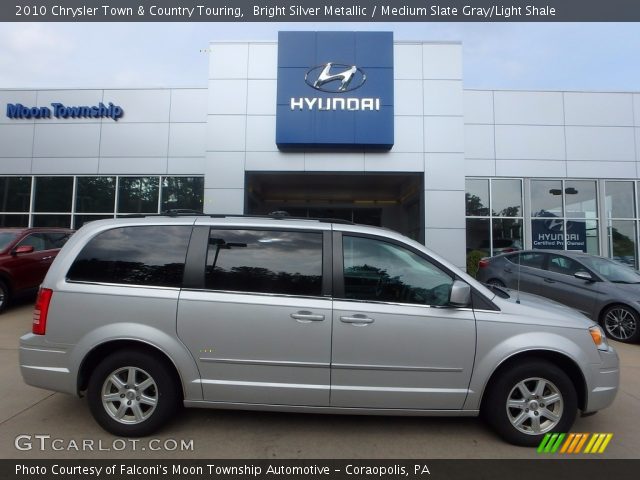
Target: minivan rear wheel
(132, 394)
(530, 400)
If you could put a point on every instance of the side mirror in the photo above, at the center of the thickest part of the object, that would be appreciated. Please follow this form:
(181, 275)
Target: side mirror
(22, 249)
(460, 294)
(582, 275)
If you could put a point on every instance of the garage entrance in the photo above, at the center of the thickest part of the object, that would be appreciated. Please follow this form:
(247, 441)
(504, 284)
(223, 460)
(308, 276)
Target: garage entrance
(392, 200)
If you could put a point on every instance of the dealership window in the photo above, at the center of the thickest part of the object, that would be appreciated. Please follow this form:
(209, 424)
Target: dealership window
(95, 194)
(182, 192)
(494, 215)
(15, 201)
(52, 197)
(68, 201)
(622, 221)
(564, 215)
(138, 195)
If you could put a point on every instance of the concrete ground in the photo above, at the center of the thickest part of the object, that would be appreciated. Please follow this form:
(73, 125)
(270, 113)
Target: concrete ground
(29, 412)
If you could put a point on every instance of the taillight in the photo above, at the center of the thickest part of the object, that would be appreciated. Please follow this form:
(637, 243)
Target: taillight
(41, 310)
(484, 262)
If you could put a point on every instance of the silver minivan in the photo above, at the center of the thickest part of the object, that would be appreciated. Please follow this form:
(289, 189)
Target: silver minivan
(142, 315)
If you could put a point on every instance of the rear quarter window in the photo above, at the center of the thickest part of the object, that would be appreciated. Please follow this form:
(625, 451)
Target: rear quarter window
(529, 259)
(139, 255)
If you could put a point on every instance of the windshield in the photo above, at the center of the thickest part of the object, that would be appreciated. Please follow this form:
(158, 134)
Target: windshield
(6, 238)
(610, 270)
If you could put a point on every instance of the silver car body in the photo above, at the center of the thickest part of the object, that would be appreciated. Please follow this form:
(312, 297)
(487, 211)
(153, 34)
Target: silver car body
(248, 351)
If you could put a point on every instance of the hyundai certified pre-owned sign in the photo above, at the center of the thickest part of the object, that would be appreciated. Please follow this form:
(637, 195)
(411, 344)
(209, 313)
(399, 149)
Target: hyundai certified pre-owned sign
(335, 90)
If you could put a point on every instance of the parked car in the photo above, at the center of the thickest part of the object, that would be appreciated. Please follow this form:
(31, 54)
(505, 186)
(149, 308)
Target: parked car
(604, 290)
(502, 245)
(25, 257)
(141, 315)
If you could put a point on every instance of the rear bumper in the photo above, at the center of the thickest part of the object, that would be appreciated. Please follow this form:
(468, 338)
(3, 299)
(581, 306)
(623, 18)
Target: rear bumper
(44, 366)
(605, 379)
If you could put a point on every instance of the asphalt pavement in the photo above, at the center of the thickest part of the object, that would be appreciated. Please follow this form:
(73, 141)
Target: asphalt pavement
(36, 423)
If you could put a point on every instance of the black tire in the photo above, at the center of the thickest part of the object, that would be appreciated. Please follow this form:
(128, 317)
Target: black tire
(138, 417)
(5, 296)
(621, 323)
(496, 282)
(505, 387)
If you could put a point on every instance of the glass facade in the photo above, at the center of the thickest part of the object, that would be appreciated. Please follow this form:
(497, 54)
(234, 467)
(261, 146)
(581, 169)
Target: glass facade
(71, 201)
(564, 215)
(595, 216)
(622, 221)
(494, 211)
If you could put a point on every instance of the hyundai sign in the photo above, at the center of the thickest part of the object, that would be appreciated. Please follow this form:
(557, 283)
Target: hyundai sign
(335, 90)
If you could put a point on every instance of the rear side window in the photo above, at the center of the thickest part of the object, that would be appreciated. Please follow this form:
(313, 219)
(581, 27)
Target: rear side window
(153, 256)
(57, 240)
(533, 259)
(563, 265)
(262, 261)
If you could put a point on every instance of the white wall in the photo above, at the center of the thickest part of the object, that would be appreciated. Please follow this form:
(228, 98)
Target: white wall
(162, 132)
(552, 134)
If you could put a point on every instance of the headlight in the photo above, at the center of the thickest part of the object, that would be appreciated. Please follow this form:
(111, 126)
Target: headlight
(598, 337)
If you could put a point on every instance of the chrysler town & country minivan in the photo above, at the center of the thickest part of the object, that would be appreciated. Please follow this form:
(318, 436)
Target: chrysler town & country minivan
(142, 315)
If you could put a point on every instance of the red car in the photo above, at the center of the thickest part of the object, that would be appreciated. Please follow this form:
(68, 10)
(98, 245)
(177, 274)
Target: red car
(25, 257)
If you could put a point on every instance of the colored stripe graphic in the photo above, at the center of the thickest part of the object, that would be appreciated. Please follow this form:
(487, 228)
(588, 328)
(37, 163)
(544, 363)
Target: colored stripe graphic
(551, 442)
(598, 443)
(573, 443)
(583, 439)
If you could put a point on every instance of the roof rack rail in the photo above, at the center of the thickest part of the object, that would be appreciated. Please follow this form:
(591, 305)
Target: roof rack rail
(282, 216)
(195, 213)
(177, 212)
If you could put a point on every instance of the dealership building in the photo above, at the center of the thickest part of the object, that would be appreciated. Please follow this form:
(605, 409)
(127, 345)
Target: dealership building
(348, 125)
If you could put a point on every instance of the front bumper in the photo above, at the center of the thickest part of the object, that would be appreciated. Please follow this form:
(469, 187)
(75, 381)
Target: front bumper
(604, 381)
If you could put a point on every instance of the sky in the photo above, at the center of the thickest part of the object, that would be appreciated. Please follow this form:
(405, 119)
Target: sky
(539, 56)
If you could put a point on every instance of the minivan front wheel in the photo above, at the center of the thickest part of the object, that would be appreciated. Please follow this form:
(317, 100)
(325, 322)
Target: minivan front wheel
(529, 400)
(132, 394)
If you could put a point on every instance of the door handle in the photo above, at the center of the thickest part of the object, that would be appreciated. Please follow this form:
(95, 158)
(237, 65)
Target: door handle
(508, 270)
(548, 280)
(305, 316)
(357, 319)
(47, 258)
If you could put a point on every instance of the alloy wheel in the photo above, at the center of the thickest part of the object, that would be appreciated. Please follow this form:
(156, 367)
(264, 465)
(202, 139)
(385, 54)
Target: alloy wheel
(534, 406)
(129, 395)
(620, 323)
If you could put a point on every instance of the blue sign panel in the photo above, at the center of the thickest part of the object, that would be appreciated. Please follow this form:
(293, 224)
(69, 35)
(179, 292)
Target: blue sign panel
(335, 90)
(549, 234)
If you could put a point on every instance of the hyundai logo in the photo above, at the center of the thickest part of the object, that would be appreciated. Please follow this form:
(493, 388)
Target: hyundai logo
(335, 77)
(555, 225)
